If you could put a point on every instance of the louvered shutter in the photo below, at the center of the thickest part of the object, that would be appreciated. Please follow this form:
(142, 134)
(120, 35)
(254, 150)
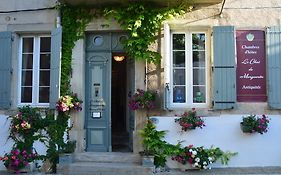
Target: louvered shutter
(5, 69)
(224, 70)
(274, 66)
(56, 41)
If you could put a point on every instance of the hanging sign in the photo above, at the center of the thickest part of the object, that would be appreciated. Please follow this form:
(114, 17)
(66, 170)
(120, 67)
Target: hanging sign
(251, 64)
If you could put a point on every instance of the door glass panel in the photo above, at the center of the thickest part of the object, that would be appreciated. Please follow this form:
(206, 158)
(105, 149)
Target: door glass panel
(179, 77)
(26, 79)
(26, 94)
(199, 77)
(179, 41)
(27, 45)
(198, 58)
(179, 58)
(179, 94)
(199, 94)
(27, 61)
(198, 41)
(45, 44)
(44, 94)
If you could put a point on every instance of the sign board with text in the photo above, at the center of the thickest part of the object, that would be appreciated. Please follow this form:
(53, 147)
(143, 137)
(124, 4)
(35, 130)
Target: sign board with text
(251, 64)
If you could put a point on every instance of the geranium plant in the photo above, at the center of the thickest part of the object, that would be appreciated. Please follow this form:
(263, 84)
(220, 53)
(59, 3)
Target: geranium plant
(142, 100)
(202, 158)
(18, 159)
(69, 102)
(189, 120)
(252, 123)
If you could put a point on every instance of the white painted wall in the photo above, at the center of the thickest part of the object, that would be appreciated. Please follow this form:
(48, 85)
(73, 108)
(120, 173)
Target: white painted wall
(224, 131)
(6, 144)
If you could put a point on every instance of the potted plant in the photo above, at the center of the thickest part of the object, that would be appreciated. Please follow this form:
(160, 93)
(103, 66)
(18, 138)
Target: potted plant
(66, 157)
(252, 124)
(152, 143)
(189, 120)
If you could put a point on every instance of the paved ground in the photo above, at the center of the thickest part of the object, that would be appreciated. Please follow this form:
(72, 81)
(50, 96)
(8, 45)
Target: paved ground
(218, 171)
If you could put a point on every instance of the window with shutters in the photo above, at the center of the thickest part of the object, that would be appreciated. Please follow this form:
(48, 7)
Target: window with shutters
(189, 66)
(34, 66)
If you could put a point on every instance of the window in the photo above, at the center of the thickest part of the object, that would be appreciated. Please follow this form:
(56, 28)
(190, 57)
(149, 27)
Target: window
(188, 69)
(35, 54)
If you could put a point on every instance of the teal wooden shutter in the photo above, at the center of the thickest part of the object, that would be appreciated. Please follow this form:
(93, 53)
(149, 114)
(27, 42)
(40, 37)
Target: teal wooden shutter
(56, 41)
(5, 69)
(274, 66)
(224, 71)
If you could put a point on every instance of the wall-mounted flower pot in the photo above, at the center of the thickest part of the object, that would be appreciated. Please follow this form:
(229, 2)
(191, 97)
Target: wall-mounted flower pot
(246, 129)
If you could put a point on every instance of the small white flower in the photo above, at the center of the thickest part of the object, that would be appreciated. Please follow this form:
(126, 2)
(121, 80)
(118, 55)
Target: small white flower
(194, 152)
(197, 159)
(210, 168)
(196, 164)
(204, 167)
(190, 150)
(204, 163)
(210, 158)
(193, 165)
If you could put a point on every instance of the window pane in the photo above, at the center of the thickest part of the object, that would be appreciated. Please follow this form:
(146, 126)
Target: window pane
(198, 58)
(179, 59)
(179, 94)
(44, 78)
(198, 41)
(44, 95)
(179, 76)
(198, 76)
(199, 95)
(27, 45)
(178, 41)
(26, 79)
(45, 61)
(27, 61)
(45, 44)
(26, 94)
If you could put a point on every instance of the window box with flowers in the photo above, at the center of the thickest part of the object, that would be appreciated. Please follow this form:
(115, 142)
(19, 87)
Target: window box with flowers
(252, 124)
(189, 120)
(201, 158)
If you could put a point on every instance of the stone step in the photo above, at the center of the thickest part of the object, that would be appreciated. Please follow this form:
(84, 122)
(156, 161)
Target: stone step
(96, 168)
(107, 157)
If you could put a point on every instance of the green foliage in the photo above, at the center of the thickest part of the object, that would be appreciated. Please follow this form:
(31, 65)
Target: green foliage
(201, 157)
(143, 22)
(25, 127)
(74, 22)
(154, 145)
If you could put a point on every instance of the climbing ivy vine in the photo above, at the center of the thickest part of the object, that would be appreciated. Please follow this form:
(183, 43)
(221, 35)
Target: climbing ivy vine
(142, 21)
(74, 22)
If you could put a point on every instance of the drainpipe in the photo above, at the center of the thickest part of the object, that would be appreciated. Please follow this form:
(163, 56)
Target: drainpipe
(58, 20)
(222, 7)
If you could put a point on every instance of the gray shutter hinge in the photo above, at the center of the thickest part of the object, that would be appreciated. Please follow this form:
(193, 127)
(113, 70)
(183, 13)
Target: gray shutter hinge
(11, 71)
(213, 103)
(12, 38)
